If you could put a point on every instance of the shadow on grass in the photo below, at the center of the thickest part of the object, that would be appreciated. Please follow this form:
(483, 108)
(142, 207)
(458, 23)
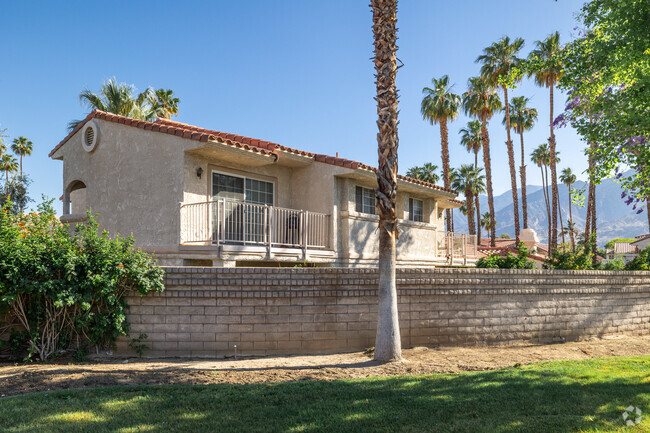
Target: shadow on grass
(549, 397)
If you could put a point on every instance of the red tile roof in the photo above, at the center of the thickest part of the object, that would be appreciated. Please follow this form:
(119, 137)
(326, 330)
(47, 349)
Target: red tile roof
(263, 147)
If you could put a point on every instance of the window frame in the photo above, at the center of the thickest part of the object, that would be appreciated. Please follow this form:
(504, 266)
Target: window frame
(363, 204)
(244, 178)
(411, 210)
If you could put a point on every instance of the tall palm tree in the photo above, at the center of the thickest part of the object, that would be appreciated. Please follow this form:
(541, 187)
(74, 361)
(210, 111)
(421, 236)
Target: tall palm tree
(472, 139)
(22, 147)
(541, 156)
(522, 119)
(164, 104)
(465, 180)
(547, 52)
(568, 178)
(441, 106)
(426, 173)
(388, 345)
(498, 61)
(481, 101)
(8, 164)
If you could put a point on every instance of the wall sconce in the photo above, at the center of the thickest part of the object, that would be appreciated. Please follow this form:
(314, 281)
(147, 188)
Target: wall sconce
(199, 172)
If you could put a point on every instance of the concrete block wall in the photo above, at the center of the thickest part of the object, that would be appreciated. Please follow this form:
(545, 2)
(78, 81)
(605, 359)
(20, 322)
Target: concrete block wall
(206, 312)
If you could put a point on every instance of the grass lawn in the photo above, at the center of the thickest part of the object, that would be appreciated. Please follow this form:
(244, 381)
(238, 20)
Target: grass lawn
(585, 396)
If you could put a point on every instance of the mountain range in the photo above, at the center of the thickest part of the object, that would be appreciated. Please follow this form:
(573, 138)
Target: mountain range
(614, 218)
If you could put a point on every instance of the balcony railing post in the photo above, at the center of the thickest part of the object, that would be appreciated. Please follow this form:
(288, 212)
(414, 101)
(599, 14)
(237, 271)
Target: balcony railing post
(222, 221)
(303, 232)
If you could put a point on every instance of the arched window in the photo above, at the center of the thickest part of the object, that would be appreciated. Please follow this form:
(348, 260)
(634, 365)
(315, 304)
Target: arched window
(74, 198)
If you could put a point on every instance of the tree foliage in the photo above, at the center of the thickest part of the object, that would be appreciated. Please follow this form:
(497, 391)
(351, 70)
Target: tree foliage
(61, 287)
(509, 261)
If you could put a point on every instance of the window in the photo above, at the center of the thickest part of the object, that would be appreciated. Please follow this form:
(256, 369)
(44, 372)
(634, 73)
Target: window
(416, 210)
(241, 189)
(365, 200)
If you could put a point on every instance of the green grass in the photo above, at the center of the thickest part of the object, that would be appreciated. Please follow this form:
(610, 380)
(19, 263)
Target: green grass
(587, 396)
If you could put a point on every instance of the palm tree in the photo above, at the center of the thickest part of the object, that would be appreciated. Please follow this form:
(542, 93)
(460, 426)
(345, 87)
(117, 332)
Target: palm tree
(22, 147)
(465, 180)
(440, 106)
(498, 61)
(486, 221)
(426, 173)
(522, 118)
(541, 156)
(165, 104)
(471, 138)
(481, 101)
(123, 100)
(568, 178)
(8, 164)
(547, 54)
(388, 345)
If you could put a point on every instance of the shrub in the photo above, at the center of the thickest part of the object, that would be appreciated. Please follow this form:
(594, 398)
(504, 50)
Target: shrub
(580, 259)
(68, 289)
(510, 261)
(640, 263)
(616, 264)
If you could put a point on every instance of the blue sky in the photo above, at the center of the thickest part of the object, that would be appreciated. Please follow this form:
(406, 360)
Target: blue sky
(297, 72)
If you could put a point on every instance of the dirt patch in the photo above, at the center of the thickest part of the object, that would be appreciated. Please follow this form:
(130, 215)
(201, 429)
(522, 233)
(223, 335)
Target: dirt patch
(420, 360)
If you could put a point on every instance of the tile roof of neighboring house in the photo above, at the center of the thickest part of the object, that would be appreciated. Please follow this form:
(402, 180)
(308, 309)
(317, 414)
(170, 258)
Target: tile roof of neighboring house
(640, 238)
(488, 251)
(263, 147)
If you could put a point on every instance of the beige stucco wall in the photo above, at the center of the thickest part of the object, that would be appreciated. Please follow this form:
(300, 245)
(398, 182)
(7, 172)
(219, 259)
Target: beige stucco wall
(133, 181)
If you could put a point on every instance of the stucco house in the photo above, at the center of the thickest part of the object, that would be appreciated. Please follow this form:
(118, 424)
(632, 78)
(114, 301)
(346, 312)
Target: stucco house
(194, 196)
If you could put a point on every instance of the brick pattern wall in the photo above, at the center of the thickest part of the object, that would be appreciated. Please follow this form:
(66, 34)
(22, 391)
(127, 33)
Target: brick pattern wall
(207, 311)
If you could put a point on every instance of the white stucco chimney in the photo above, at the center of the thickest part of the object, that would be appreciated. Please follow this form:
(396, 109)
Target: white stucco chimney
(529, 238)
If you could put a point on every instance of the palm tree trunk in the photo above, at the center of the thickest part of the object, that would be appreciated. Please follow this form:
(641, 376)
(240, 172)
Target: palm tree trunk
(488, 179)
(559, 209)
(469, 204)
(384, 17)
(571, 225)
(478, 206)
(21, 168)
(513, 171)
(522, 174)
(444, 144)
(553, 175)
(547, 202)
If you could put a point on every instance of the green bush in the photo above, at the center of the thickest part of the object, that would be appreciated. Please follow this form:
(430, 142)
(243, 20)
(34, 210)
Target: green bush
(580, 259)
(617, 264)
(510, 261)
(64, 290)
(640, 263)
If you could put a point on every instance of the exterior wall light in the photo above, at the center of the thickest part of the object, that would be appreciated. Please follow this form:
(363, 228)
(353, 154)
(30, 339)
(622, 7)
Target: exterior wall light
(199, 172)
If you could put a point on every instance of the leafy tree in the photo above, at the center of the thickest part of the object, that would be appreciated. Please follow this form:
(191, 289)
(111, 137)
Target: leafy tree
(441, 106)
(384, 17)
(610, 243)
(499, 59)
(481, 101)
(505, 236)
(426, 173)
(547, 70)
(16, 194)
(641, 262)
(522, 119)
(581, 259)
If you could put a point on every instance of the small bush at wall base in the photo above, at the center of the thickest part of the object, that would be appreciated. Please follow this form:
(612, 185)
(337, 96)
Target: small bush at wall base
(510, 261)
(580, 259)
(68, 289)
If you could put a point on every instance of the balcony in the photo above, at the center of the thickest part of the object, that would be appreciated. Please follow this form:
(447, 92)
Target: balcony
(239, 226)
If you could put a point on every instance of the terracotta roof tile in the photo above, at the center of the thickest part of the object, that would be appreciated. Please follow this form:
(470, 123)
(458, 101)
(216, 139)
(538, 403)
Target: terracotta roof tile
(252, 144)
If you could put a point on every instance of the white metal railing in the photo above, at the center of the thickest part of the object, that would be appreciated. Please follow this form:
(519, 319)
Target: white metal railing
(235, 222)
(455, 245)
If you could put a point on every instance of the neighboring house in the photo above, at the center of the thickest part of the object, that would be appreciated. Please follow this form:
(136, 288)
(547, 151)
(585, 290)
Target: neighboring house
(194, 196)
(628, 251)
(538, 252)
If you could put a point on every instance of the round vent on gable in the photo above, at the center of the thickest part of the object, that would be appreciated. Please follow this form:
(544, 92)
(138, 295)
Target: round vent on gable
(90, 136)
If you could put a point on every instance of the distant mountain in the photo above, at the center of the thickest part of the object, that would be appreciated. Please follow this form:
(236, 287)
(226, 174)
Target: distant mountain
(614, 218)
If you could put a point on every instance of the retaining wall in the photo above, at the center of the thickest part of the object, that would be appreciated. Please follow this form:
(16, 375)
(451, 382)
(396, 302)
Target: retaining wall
(207, 311)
